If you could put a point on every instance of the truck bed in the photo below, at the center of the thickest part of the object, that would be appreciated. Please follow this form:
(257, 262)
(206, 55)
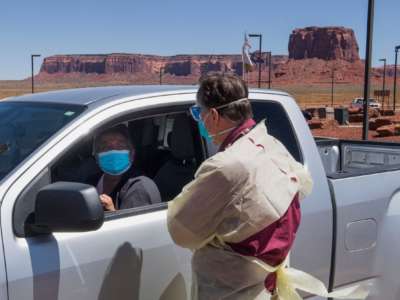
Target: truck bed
(363, 178)
(347, 158)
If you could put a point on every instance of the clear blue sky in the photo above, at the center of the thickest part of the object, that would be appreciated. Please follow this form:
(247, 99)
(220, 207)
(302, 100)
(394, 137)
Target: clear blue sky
(168, 27)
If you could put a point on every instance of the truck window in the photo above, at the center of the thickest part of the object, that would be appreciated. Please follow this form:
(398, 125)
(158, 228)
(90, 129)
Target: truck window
(278, 125)
(167, 152)
(25, 126)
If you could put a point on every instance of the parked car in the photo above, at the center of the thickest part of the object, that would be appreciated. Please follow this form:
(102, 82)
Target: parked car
(57, 243)
(359, 103)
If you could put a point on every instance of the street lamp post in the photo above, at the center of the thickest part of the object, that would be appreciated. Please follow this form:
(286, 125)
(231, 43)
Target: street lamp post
(32, 57)
(269, 68)
(367, 69)
(332, 83)
(259, 36)
(383, 84)
(161, 74)
(396, 50)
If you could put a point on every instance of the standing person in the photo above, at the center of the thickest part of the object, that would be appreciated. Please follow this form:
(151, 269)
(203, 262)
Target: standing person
(242, 211)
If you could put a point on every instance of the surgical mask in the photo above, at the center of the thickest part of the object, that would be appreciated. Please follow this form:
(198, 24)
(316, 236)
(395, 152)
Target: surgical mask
(205, 134)
(195, 111)
(114, 162)
(203, 131)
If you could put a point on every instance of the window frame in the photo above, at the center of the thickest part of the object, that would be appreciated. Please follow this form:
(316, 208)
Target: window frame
(151, 113)
(290, 122)
(143, 113)
(135, 114)
(211, 149)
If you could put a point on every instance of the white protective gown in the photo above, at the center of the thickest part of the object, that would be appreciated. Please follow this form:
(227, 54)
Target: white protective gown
(235, 194)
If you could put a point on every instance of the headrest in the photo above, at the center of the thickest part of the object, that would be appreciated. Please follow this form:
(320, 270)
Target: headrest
(181, 138)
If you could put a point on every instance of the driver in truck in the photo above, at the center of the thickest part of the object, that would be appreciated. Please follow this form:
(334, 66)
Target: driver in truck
(121, 185)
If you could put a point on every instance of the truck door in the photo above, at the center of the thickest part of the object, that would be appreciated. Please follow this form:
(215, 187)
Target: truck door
(131, 256)
(3, 277)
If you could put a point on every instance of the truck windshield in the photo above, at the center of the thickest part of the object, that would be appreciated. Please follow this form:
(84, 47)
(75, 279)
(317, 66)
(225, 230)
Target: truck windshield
(24, 127)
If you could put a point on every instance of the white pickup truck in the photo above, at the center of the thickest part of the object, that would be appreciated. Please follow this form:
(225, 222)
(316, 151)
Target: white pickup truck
(57, 243)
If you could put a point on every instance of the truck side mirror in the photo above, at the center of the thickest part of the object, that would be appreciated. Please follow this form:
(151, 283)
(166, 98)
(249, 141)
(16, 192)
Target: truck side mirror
(67, 207)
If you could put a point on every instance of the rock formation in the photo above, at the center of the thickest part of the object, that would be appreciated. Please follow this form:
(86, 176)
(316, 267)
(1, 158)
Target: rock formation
(179, 65)
(74, 63)
(313, 53)
(328, 43)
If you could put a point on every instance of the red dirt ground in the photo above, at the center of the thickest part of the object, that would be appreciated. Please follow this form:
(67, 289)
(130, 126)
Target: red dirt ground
(352, 133)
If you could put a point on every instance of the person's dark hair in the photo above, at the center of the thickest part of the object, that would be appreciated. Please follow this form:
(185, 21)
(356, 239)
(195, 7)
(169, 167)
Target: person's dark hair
(120, 129)
(218, 89)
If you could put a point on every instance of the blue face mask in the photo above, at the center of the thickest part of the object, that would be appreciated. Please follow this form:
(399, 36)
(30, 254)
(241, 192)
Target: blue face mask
(203, 131)
(114, 162)
(195, 111)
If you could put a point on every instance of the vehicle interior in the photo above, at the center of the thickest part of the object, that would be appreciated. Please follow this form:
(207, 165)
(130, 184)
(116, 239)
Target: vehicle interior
(168, 149)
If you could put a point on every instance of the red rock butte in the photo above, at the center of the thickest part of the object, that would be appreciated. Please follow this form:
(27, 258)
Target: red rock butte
(327, 43)
(178, 65)
(313, 52)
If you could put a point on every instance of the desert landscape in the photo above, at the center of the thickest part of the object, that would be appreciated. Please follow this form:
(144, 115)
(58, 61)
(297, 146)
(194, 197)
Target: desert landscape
(316, 57)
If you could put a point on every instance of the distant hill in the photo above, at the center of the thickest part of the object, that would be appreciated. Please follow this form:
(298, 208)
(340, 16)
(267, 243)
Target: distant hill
(313, 52)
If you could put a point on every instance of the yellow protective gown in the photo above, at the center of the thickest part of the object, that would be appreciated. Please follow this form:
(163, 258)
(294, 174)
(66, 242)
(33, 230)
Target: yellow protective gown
(235, 194)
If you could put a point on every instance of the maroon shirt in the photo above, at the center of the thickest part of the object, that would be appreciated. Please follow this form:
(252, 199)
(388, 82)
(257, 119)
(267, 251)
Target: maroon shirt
(273, 243)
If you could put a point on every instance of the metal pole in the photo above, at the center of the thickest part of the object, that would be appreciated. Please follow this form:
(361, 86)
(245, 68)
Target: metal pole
(368, 54)
(383, 82)
(333, 81)
(32, 57)
(396, 49)
(259, 63)
(259, 56)
(269, 69)
(384, 77)
(161, 73)
(32, 73)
